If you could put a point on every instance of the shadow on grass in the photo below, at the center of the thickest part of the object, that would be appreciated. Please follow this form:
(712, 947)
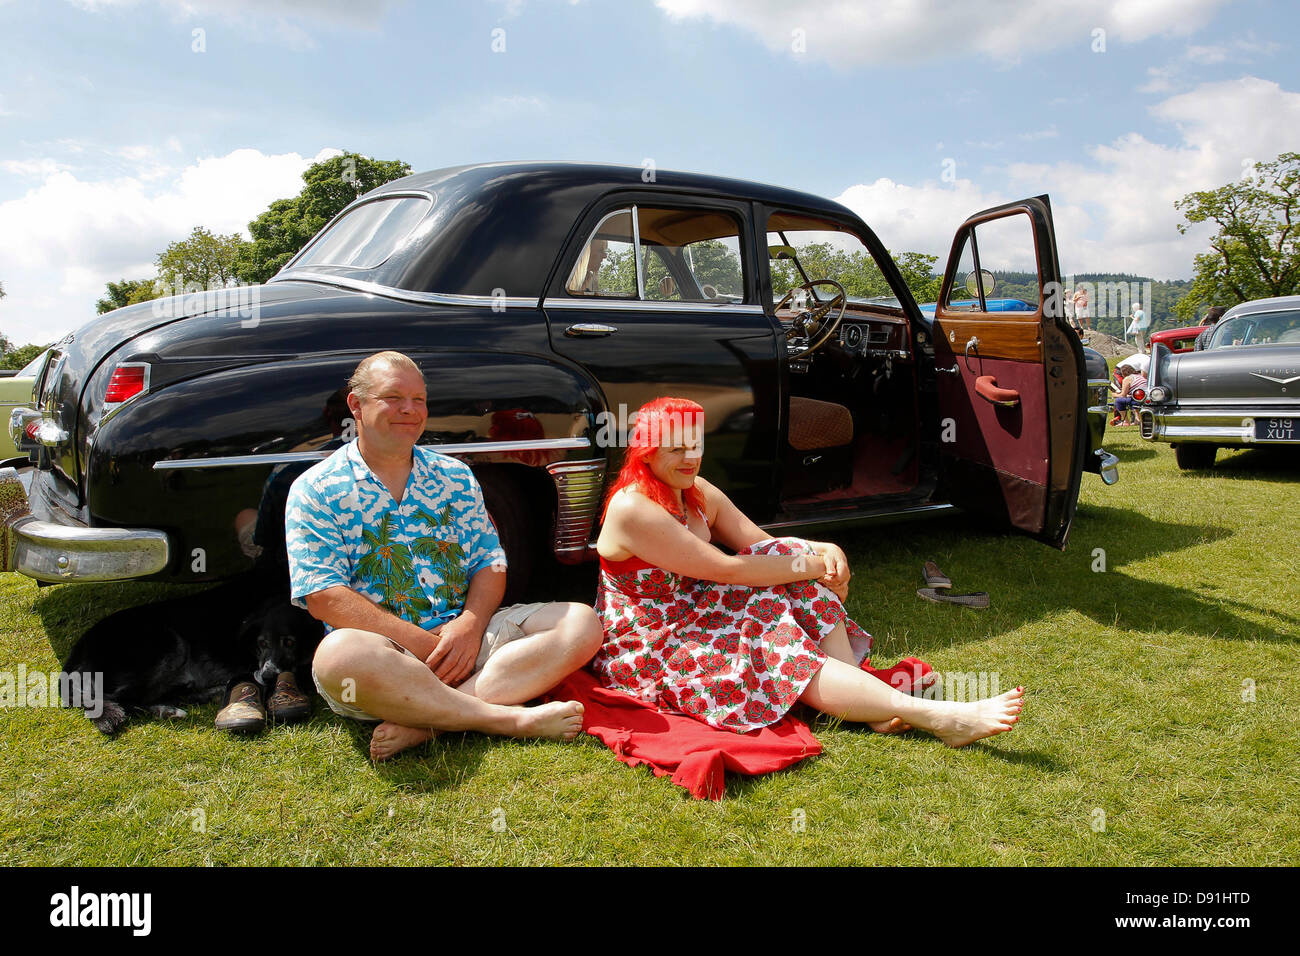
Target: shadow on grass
(1276, 463)
(1126, 453)
(67, 611)
(439, 764)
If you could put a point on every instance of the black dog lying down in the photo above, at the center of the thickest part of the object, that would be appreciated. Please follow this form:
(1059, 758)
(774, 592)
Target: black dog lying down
(155, 656)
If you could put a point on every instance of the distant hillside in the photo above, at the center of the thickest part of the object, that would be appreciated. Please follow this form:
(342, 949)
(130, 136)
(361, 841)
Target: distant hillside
(1110, 295)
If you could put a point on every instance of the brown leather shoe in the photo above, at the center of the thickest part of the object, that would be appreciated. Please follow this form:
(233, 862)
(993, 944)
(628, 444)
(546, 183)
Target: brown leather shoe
(287, 704)
(243, 713)
(934, 577)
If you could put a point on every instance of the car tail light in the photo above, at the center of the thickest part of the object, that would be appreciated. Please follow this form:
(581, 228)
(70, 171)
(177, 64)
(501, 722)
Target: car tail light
(1158, 393)
(129, 380)
(1139, 394)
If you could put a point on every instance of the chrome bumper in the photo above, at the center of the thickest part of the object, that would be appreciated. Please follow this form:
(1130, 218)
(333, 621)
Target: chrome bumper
(58, 553)
(1217, 426)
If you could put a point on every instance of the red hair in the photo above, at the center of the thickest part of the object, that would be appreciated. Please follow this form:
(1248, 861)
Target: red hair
(655, 421)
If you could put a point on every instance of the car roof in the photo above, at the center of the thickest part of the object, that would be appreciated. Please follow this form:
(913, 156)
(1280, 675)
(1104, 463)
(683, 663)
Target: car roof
(1281, 303)
(496, 228)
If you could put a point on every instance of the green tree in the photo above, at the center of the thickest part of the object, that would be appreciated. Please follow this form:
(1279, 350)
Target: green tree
(203, 258)
(288, 224)
(127, 292)
(1255, 253)
(19, 357)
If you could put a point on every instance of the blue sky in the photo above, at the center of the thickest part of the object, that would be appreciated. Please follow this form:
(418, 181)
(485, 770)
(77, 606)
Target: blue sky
(122, 128)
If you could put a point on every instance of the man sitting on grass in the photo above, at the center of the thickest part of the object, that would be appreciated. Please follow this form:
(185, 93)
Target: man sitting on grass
(391, 546)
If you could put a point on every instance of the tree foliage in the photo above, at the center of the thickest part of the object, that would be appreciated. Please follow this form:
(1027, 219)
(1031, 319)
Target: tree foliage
(288, 224)
(127, 292)
(856, 271)
(204, 258)
(1255, 253)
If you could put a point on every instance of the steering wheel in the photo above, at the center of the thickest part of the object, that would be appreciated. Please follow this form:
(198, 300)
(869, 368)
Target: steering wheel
(811, 329)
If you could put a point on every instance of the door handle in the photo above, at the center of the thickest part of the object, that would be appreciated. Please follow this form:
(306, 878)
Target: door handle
(986, 387)
(589, 330)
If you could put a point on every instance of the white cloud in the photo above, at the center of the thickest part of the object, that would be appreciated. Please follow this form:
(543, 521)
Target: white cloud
(1116, 211)
(867, 32)
(32, 168)
(64, 239)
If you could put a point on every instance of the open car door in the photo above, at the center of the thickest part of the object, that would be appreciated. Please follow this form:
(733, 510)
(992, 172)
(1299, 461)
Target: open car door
(1010, 375)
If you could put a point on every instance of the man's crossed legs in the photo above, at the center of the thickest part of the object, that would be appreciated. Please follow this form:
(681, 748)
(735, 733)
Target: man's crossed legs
(527, 650)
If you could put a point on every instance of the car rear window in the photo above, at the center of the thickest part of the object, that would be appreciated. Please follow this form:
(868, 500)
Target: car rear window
(1260, 328)
(365, 237)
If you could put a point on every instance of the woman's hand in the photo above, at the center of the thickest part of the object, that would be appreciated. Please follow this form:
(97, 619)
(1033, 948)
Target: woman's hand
(837, 567)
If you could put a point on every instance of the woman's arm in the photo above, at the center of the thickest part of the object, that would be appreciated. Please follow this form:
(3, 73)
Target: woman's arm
(635, 525)
(730, 526)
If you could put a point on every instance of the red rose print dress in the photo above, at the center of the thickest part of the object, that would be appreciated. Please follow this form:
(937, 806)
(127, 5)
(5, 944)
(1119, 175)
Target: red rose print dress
(733, 656)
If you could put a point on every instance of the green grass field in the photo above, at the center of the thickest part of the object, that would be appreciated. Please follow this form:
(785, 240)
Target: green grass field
(1161, 724)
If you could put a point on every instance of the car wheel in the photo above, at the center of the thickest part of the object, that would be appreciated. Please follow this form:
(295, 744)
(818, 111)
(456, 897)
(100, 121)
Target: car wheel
(1195, 457)
(518, 532)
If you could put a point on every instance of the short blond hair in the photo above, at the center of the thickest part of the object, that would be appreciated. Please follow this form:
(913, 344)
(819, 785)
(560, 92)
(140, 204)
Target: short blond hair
(363, 379)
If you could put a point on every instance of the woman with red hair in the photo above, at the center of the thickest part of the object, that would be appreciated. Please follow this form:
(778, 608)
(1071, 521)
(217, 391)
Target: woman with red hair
(735, 639)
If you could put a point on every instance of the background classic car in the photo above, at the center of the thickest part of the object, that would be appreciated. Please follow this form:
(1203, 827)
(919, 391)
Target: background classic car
(1177, 340)
(1242, 389)
(545, 303)
(16, 392)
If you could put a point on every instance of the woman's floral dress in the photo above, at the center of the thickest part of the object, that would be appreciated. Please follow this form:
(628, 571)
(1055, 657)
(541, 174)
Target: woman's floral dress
(730, 655)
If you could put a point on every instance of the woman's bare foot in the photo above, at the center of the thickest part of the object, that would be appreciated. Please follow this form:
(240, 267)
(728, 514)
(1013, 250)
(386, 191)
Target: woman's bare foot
(559, 720)
(390, 739)
(894, 725)
(959, 724)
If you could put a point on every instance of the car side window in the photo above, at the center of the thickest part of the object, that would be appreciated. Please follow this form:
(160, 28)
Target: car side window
(999, 262)
(606, 266)
(683, 255)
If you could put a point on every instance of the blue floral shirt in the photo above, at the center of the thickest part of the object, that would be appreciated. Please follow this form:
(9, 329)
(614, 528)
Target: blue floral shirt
(416, 558)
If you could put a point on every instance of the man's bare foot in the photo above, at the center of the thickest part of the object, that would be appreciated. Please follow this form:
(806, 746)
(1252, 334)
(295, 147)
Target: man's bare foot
(959, 724)
(559, 720)
(894, 725)
(390, 739)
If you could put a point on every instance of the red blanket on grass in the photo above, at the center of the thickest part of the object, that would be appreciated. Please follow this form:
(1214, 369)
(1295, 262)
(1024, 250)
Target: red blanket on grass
(696, 755)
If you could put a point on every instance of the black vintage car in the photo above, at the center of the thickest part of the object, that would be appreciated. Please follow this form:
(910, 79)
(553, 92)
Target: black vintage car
(545, 302)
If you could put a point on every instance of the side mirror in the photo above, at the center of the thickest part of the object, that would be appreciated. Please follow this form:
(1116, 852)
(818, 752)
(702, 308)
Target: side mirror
(990, 283)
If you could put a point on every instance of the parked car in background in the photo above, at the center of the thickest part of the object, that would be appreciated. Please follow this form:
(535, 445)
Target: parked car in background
(545, 302)
(1177, 340)
(1242, 389)
(994, 305)
(15, 392)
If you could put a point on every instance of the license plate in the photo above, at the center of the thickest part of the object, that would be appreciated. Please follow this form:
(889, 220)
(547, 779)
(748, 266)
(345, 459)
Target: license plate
(1277, 429)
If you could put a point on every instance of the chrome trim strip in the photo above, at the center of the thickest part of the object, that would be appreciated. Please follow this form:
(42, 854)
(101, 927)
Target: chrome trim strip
(636, 254)
(408, 295)
(579, 487)
(918, 511)
(599, 304)
(456, 448)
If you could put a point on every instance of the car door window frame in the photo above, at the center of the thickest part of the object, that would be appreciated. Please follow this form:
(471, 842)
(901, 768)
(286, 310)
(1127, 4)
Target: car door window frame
(740, 212)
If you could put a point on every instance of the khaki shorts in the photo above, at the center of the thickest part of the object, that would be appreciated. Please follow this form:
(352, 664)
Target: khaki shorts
(506, 625)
